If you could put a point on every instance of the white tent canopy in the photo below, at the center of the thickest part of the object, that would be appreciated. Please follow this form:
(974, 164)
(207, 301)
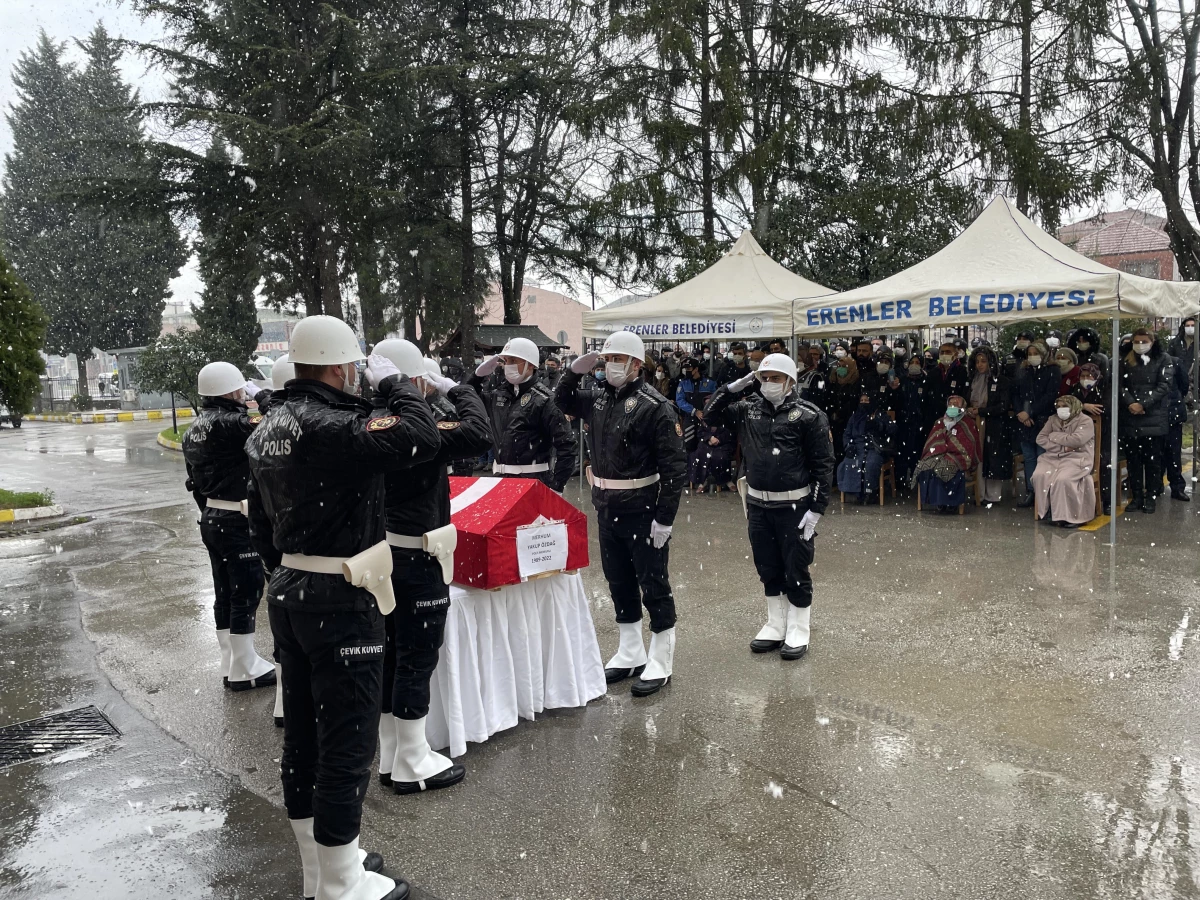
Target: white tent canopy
(1002, 268)
(745, 295)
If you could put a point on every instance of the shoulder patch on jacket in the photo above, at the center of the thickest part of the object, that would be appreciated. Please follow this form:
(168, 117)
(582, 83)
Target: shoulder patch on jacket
(541, 389)
(447, 425)
(650, 393)
(383, 423)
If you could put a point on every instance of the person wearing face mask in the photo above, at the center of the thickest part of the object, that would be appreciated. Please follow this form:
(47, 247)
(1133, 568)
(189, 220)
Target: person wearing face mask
(417, 502)
(1092, 393)
(662, 381)
(738, 365)
(843, 388)
(552, 371)
(214, 454)
(1068, 369)
(901, 352)
(1085, 343)
(949, 376)
(1062, 481)
(694, 388)
(789, 474)
(950, 451)
(810, 377)
(532, 438)
(863, 351)
(1053, 340)
(915, 417)
(879, 379)
(1146, 373)
(1183, 348)
(315, 501)
(1173, 444)
(637, 475)
(1012, 365)
(990, 402)
(868, 435)
(1033, 396)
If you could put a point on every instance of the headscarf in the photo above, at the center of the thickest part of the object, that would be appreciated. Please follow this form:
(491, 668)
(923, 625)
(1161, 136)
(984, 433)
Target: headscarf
(1071, 402)
(851, 367)
(1037, 348)
(1090, 370)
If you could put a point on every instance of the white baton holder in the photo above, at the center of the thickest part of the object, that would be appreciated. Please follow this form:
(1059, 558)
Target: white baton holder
(372, 571)
(441, 543)
(742, 487)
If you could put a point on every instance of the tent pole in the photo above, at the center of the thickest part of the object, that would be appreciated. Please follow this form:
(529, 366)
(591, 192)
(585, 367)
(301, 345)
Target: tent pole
(1114, 399)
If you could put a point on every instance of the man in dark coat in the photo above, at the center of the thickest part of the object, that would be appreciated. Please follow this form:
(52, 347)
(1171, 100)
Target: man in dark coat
(989, 399)
(1146, 375)
(1034, 396)
(1183, 348)
(1176, 417)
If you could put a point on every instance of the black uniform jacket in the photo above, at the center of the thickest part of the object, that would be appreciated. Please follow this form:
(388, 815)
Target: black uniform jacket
(214, 451)
(635, 434)
(317, 467)
(526, 425)
(784, 449)
(418, 498)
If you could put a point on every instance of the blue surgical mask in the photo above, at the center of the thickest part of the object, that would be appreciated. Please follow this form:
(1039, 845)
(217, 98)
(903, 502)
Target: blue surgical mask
(599, 374)
(953, 412)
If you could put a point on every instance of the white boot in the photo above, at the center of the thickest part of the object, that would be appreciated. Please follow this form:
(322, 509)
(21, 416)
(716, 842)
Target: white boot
(303, 829)
(246, 668)
(226, 653)
(387, 747)
(279, 696)
(662, 655)
(632, 652)
(771, 635)
(795, 644)
(416, 763)
(342, 876)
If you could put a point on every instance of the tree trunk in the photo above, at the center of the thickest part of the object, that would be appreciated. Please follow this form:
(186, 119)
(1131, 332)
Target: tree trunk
(466, 125)
(370, 294)
(331, 287)
(510, 292)
(1024, 110)
(706, 150)
(410, 325)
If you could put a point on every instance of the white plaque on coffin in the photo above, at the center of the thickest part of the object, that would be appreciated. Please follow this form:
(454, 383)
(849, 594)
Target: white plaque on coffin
(541, 547)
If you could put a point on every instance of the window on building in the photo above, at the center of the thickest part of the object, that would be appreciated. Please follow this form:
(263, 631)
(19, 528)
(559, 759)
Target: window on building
(1147, 268)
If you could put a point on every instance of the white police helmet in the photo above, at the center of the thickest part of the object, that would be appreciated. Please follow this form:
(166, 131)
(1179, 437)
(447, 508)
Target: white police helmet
(324, 341)
(282, 372)
(404, 355)
(777, 362)
(625, 342)
(218, 378)
(523, 348)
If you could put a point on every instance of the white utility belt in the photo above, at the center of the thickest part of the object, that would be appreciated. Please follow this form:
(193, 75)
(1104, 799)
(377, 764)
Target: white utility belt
(502, 469)
(370, 570)
(620, 484)
(779, 496)
(439, 543)
(231, 505)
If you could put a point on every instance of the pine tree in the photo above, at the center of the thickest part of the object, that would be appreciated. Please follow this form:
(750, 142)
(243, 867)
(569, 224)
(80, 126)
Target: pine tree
(22, 331)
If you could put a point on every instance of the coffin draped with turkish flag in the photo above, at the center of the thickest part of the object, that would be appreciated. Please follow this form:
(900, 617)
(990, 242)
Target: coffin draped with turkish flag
(511, 529)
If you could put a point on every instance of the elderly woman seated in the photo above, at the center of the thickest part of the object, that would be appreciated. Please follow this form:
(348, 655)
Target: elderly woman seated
(1062, 481)
(951, 450)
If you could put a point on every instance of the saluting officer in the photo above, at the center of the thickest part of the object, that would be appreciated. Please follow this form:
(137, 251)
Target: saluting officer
(528, 427)
(637, 475)
(316, 506)
(789, 472)
(214, 450)
(445, 410)
(422, 541)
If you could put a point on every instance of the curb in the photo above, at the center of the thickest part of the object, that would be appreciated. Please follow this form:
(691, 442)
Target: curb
(32, 512)
(142, 415)
(169, 444)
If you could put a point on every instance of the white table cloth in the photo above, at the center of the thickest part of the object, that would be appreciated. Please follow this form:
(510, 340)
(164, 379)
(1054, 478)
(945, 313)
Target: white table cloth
(509, 654)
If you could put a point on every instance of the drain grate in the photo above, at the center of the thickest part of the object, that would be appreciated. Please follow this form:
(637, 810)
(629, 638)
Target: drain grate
(50, 734)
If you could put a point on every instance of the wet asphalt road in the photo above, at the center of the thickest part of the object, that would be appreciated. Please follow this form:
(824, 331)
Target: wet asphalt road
(990, 709)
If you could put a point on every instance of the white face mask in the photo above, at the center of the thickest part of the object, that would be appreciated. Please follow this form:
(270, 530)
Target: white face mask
(1083, 346)
(1051, 342)
(839, 353)
(616, 373)
(1035, 361)
(348, 382)
(800, 367)
(512, 373)
(754, 364)
(1088, 382)
(1022, 345)
(774, 392)
(1189, 329)
(945, 359)
(900, 351)
(915, 369)
(1064, 365)
(1141, 348)
(882, 368)
(1063, 413)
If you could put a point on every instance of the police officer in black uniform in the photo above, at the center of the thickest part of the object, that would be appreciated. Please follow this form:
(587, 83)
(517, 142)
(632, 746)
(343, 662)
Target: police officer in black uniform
(214, 450)
(531, 436)
(637, 476)
(445, 410)
(422, 541)
(316, 506)
(789, 475)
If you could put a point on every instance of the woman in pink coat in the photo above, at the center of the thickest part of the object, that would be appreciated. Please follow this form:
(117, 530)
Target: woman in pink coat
(1062, 481)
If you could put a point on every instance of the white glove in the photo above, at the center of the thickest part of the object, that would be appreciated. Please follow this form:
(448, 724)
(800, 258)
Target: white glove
(488, 366)
(659, 535)
(378, 368)
(741, 384)
(808, 524)
(251, 389)
(441, 382)
(585, 363)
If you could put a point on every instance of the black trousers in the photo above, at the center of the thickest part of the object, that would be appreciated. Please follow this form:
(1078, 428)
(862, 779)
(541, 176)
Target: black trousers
(414, 631)
(236, 568)
(332, 681)
(1144, 457)
(781, 556)
(1173, 452)
(636, 572)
